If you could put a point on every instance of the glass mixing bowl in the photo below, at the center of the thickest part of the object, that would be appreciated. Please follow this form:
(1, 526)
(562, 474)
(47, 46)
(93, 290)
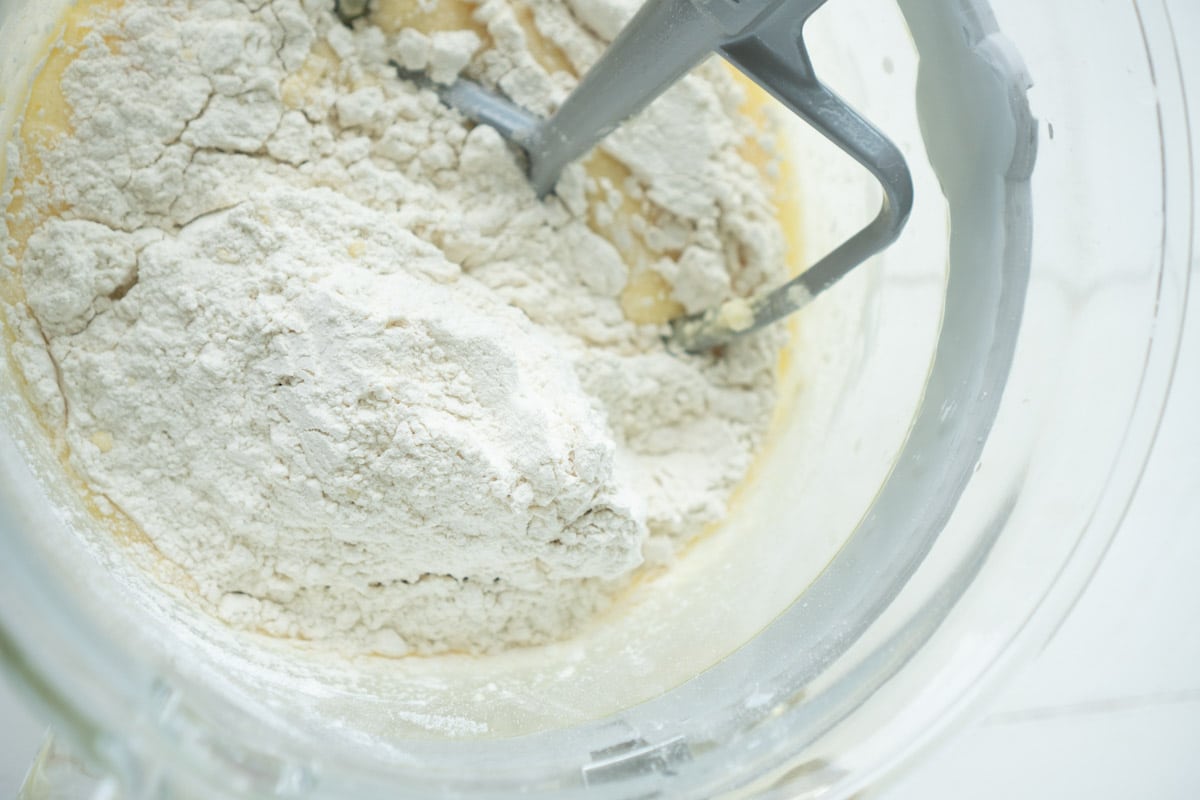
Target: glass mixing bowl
(968, 417)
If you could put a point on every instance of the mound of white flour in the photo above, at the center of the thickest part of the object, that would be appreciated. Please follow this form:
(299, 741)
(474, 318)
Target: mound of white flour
(313, 333)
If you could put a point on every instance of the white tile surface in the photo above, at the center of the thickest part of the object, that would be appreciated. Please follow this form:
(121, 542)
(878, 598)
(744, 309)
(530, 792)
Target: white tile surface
(1140, 752)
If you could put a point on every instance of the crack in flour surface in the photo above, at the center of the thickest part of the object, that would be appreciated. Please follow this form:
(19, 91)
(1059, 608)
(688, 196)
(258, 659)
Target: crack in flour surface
(313, 333)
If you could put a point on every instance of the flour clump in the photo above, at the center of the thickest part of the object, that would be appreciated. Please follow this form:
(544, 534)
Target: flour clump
(312, 332)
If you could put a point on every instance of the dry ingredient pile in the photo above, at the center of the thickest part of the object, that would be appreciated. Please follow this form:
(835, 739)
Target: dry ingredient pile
(312, 333)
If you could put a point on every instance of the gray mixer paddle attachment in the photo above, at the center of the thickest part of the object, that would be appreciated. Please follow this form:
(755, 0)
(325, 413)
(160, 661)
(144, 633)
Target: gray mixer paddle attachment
(664, 40)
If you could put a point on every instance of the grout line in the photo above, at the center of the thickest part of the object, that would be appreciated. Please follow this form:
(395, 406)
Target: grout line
(1090, 707)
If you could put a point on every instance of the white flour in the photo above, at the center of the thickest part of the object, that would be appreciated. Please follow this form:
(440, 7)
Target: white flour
(314, 334)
